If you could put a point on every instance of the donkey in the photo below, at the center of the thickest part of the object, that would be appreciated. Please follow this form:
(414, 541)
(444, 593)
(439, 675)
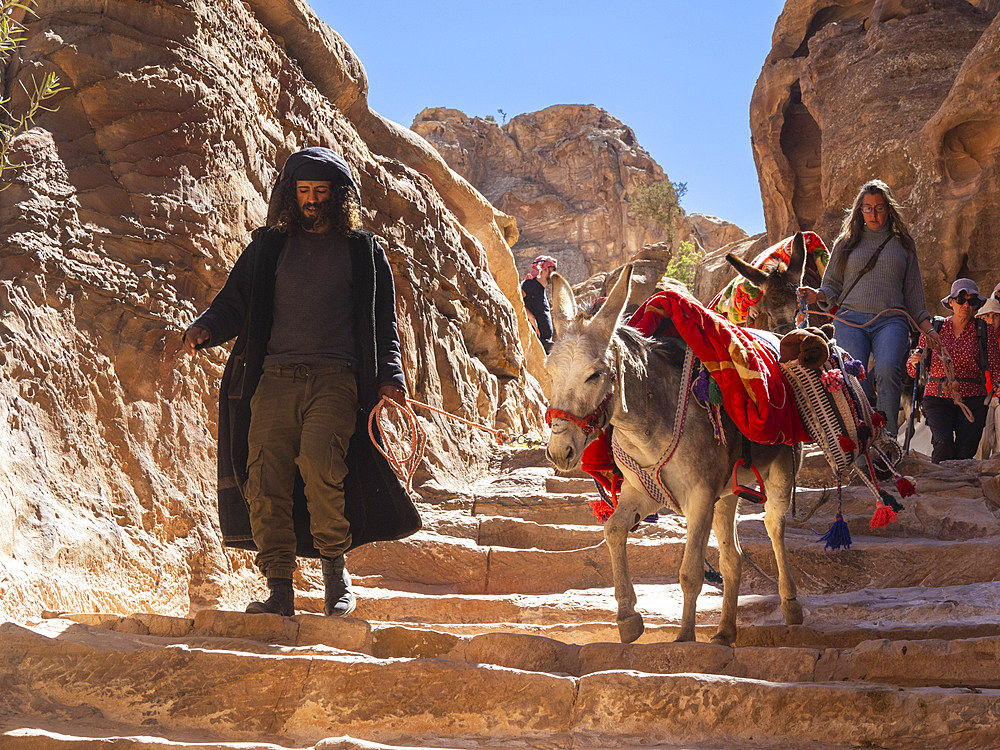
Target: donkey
(604, 373)
(779, 302)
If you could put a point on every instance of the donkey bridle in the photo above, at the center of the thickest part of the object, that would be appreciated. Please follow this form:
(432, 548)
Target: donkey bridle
(593, 422)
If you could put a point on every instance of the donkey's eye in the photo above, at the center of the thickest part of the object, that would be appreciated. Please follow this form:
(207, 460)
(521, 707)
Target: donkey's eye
(594, 377)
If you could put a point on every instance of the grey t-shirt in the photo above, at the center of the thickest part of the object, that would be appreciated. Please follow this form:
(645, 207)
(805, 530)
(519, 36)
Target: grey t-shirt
(313, 302)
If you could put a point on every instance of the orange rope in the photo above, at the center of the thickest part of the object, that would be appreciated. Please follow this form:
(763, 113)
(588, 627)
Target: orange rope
(407, 465)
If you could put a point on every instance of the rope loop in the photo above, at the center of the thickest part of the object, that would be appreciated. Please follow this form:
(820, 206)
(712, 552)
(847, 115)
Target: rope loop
(403, 466)
(407, 466)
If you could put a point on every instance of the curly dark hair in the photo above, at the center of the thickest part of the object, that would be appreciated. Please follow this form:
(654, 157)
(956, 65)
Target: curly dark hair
(343, 210)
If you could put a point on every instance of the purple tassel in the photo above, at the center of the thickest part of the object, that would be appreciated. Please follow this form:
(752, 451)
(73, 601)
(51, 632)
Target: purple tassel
(838, 536)
(854, 367)
(700, 387)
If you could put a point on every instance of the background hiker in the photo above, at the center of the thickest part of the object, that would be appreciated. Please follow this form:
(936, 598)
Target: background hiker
(874, 279)
(973, 348)
(311, 300)
(990, 442)
(535, 300)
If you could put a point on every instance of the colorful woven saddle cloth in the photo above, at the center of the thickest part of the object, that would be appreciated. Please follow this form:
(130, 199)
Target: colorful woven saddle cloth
(739, 295)
(843, 424)
(755, 392)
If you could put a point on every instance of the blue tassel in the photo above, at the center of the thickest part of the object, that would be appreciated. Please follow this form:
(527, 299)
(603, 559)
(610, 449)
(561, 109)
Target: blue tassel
(838, 536)
(652, 518)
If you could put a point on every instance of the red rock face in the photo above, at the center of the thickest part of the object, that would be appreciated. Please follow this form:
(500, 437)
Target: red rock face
(133, 202)
(905, 91)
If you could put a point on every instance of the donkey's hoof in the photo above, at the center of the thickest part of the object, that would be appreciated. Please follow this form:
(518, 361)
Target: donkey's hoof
(630, 628)
(792, 611)
(724, 639)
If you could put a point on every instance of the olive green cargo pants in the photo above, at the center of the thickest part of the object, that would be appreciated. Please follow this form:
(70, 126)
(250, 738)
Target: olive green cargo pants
(301, 417)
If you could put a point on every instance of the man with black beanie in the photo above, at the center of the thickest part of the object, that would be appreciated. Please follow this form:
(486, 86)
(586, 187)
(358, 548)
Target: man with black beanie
(312, 305)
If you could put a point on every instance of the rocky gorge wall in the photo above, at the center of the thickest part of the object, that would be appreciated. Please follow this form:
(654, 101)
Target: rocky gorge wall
(566, 173)
(133, 202)
(904, 90)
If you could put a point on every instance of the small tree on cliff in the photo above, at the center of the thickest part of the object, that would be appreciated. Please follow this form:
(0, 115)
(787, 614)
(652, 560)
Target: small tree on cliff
(682, 264)
(658, 202)
(12, 34)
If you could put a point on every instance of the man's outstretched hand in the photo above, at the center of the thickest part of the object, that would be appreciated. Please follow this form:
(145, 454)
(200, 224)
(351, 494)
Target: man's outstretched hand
(194, 336)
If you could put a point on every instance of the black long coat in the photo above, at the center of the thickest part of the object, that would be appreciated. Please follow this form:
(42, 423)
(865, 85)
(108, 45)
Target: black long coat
(377, 506)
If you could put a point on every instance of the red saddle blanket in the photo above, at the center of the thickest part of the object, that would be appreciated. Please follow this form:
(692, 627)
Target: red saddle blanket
(755, 393)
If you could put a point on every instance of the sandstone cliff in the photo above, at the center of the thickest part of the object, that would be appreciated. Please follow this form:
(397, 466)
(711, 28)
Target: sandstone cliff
(908, 91)
(566, 174)
(134, 200)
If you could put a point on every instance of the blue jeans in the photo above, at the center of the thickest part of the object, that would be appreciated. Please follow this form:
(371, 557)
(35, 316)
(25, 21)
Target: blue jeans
(888, 338)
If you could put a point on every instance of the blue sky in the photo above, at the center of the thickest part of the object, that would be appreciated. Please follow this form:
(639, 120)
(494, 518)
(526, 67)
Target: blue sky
(680, 74)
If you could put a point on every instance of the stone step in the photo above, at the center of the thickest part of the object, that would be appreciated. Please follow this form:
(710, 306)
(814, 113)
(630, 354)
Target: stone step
(437, 564)
(570, 485)
(131, 683)
(556, 509)
(59, 735)
(411, 636)
(502, 531)
(807, 656)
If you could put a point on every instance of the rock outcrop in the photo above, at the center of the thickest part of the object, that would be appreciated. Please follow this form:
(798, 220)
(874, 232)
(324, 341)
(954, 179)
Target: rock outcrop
(566, 174)
(905, 91)
(132, 204)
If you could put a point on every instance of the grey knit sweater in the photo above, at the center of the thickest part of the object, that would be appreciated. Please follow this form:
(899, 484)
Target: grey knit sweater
(893, 282)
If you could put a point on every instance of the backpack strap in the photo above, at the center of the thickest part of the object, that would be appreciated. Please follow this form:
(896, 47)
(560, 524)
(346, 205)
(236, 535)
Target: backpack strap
(982, 356)
(868, 267)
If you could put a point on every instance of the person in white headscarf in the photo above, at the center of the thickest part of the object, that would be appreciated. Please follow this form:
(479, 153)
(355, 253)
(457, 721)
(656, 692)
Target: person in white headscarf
(535, 300)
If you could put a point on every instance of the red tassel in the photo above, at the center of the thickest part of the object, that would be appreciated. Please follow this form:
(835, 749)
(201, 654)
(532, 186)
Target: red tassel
(846, 444)
(884, 515)
(878, 421)
(905, 487)
(601, 510)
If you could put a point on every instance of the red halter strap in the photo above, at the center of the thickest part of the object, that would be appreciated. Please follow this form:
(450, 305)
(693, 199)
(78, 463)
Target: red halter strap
(588, 424)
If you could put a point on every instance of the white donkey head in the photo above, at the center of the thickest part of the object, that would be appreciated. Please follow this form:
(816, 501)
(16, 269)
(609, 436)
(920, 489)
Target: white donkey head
(582, 369)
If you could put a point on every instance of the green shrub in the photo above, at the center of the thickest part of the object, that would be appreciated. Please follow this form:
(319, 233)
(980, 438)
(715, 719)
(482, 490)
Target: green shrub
(682, 264)
(11, 36)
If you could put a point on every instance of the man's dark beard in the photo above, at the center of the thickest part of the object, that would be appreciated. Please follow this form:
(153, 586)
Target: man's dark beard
(323, 215)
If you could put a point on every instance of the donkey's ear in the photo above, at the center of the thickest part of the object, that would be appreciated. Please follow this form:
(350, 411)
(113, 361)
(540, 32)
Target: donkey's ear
(606, 319)
(563, 303)
(747, 271)
(797, 261)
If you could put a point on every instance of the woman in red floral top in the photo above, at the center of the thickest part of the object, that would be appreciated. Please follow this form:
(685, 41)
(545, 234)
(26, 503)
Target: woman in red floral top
(952, 435)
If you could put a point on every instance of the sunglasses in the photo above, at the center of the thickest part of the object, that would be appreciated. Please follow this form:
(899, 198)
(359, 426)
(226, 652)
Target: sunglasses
(963, 299)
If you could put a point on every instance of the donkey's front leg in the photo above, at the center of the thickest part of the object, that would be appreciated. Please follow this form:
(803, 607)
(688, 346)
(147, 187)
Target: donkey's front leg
(699, 514)
(616, 530)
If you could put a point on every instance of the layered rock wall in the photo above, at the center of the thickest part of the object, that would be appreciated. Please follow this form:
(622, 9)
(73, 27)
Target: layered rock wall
(904, 90)
(133, 202)
(566, 173)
